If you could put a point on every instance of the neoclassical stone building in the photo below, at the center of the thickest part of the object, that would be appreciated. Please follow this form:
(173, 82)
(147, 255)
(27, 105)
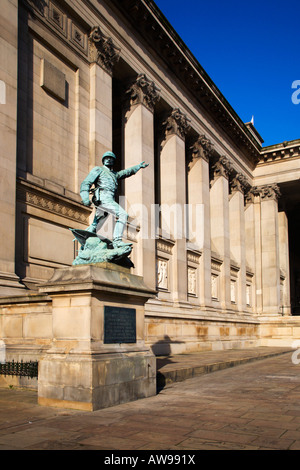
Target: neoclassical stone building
(214, 217)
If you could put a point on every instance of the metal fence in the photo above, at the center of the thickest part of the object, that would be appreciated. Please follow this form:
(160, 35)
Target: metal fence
(21, 369)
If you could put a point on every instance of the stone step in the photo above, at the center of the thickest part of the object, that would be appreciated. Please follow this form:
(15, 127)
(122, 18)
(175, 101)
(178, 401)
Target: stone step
(179, 367)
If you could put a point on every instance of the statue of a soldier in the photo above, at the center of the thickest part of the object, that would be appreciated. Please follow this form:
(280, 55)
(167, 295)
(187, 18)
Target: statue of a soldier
(105, 181)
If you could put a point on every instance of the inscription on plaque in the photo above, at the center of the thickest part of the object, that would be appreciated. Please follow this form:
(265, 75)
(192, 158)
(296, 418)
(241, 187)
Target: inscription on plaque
(119, 325)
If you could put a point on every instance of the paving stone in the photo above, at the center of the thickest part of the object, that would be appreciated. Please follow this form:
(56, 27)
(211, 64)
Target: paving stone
(245, 407)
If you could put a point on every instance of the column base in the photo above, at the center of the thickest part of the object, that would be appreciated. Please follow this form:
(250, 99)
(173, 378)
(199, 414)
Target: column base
(10, 285)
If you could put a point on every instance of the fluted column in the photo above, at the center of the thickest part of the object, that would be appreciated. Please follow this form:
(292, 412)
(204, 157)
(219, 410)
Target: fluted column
(220, 231)
(139, 189)
(199, 212)
(173, 197)
(237, 234)
(103, 55)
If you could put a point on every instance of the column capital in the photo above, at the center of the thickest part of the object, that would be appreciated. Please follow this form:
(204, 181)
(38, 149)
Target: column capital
(143, 91)
(270, 191)
(202, 148)
(222, 167)
(239, 182)
(177, 123)
(251, 194)
(266, 192)
(102, 50)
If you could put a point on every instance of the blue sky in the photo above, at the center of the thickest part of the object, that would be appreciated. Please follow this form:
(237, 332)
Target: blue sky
(251, 50)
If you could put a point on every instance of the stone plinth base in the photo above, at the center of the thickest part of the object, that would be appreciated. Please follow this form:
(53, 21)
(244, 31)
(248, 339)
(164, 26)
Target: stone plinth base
(95, 382)
(98, 356)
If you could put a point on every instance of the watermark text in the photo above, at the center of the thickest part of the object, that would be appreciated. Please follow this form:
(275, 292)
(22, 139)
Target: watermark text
(296, 93)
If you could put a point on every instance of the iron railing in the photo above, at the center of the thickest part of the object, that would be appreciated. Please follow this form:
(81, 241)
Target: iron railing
(21, 369)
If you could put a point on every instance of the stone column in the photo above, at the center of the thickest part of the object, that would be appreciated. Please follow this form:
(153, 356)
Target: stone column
(252, 242)
(220, 233)
(237, 234)
(173, 198)
(9, 282)
(139, 189)
(199, 212)
(284, 262)
(270, 248)
(103, 55)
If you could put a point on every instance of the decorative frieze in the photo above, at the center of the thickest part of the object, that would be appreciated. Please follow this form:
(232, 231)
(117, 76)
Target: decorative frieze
(165, 246)
(78, 38)
(60, 21)
(55, 204)
(193, 257)
(176, 123)
(38, 5)
(57, 18)
(102, 50)
(216, 264)
(143, 91)
(234, 270)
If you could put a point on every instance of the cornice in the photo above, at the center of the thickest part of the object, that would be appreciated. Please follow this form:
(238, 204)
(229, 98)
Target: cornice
(283, 151)
(149, 21)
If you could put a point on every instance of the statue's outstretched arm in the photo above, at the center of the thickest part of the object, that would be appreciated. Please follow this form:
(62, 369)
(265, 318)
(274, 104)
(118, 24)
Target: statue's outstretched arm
(131, 171)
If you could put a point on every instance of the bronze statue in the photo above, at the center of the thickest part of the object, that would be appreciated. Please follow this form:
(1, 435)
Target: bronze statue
(102, 182)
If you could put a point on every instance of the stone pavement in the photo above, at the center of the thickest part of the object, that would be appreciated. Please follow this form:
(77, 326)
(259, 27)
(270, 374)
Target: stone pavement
(252, 406)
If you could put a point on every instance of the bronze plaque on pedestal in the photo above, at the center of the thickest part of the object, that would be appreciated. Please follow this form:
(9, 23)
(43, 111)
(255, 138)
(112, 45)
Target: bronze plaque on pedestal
(119, 325)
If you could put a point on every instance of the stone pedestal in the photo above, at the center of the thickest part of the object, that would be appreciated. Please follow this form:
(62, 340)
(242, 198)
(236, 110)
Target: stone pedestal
(98, 356)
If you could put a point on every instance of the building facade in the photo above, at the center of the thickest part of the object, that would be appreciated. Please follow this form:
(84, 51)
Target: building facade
(213, 218)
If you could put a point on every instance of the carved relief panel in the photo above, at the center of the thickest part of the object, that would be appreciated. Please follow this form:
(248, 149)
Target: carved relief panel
(192, 281)
(215, 287)
(162, 274)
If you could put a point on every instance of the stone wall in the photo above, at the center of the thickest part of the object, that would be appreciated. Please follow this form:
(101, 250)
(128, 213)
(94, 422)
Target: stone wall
(25, 332)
